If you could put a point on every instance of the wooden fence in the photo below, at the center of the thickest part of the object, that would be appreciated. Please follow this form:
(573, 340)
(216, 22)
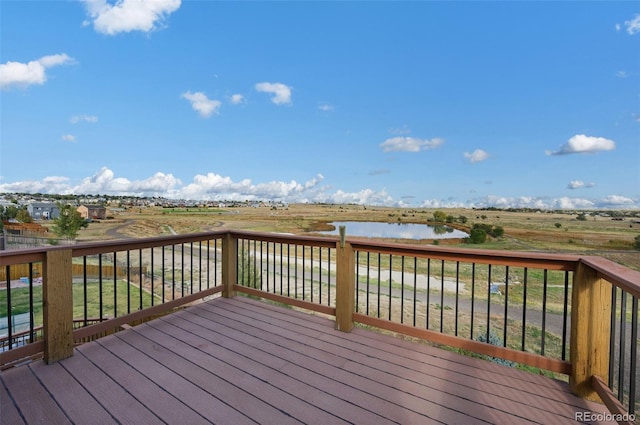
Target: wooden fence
(18, 271)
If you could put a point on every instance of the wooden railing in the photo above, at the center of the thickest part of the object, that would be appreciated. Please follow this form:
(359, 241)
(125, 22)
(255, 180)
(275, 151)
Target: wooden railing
(565, 314)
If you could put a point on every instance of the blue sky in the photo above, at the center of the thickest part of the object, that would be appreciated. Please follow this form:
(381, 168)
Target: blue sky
(417, 104)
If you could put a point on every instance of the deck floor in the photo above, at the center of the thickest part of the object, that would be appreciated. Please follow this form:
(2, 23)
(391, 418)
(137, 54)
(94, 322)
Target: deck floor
(241, 361)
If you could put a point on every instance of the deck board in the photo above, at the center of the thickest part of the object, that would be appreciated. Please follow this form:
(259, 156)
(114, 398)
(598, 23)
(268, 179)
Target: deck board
(79, 406)
(418, 379)
(268, 368)
(112, 396)
(140, 387)
(229, 387)
(411, 408)
(31, 398)
(179, 376)
(9, 413)
(243, 361)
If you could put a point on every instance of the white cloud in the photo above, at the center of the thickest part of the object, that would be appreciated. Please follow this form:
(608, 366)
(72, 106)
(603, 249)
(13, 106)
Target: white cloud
(581, 143)
(633, 25)
(104, 181)
(325, 107)
(621, 74)
(579, 184)
(437, 203)
(281, 92)
(49, 185)
(618, 27)
(237, 99)
(476, 156)
(213, 186)
(362, 197)
(55, 60)
(202, 104)
(617, 201)
(83, 118)
(564, 203)
(409, 144)
(69, 138)
(34, 72)
(129, 15)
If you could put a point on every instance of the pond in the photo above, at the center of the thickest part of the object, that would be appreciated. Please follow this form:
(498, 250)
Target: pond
(374, 229)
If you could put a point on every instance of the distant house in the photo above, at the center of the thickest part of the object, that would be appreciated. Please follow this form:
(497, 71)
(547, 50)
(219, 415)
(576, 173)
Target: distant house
(92, 212)
(43, 210)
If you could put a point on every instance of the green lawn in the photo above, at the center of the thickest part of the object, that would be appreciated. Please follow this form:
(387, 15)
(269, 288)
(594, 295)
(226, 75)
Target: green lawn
(20, 300)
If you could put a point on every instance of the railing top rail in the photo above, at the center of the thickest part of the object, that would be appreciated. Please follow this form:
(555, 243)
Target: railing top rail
(617, 274)
(20, 256)
(550, 261)
(131, 244)
(328, 241)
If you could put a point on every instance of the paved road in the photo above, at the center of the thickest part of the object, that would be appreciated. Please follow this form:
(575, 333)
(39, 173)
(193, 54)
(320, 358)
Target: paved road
(114, 233)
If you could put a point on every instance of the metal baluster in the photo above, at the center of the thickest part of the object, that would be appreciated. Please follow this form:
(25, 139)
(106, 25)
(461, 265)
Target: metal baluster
(506, 305)
(488, 303)
(473, 296)
(544, 311)
(524, 308)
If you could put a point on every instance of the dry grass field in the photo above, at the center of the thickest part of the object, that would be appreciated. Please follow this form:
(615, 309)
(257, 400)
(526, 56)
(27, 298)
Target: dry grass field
(523, 231)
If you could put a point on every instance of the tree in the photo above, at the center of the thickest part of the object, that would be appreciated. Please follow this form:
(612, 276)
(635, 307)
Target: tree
(8, 212)
(69, 222)
(23, 216)
(581, 217)
(477, 235)
(439, 216)
(636, 243)
(558, 225)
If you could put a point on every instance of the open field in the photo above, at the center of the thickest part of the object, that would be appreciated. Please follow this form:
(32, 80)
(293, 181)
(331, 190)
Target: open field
(523, 231)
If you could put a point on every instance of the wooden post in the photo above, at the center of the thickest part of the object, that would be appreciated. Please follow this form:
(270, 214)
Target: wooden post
(590, 330)
(345, 284)
(229, 264)
(57, 299)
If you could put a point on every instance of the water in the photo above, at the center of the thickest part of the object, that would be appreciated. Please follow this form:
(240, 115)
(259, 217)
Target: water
(373, 229)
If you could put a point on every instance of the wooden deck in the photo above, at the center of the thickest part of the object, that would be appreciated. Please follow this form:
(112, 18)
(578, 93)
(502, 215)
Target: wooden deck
(240, 361)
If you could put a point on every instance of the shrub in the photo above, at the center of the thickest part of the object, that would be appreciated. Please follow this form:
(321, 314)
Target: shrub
(479, 232)
(494, 340)
(439, 216)
(477, 235)
(497, 232)
(249, 272)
